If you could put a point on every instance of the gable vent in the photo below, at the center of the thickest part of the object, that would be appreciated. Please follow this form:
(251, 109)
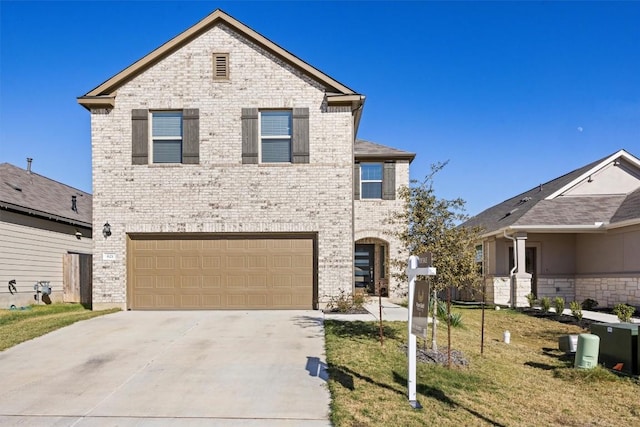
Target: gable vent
(220, 66)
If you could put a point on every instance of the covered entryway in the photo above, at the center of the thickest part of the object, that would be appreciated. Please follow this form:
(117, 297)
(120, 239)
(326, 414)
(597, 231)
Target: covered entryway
(370, 266)
(177, 271)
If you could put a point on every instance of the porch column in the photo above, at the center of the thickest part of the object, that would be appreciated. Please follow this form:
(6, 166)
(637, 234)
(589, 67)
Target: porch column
(521, 279)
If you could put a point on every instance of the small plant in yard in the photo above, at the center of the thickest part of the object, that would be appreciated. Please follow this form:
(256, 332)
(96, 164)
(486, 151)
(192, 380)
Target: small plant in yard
(545, 303)
(345, 302)
(558, 303)
(576, 310)
(531, 299)
(589, 304)
(623, 311)
(455, 318)
(359, 300)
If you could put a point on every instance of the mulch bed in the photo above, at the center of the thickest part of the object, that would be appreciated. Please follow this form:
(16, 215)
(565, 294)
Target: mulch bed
(567, 320)
(439, 357)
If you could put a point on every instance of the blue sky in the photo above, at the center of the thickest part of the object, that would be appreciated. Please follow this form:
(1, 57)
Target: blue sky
(512, 94)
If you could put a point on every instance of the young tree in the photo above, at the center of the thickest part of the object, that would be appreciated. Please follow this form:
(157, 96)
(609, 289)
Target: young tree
(430, 224)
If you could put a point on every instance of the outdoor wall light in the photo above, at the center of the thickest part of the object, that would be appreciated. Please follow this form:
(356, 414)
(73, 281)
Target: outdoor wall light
(106, 230)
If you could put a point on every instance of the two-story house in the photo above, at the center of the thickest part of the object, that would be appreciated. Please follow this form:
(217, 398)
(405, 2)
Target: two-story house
(224, 168)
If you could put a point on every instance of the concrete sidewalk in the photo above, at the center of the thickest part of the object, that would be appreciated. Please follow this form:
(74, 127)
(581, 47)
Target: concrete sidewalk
(395, 312)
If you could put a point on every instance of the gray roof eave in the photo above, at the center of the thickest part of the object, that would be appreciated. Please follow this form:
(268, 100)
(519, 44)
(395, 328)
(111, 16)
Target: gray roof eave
(44, 215)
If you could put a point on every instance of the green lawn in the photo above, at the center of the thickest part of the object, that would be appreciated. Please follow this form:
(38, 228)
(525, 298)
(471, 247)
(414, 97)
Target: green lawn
(526, 383)
(17, 326)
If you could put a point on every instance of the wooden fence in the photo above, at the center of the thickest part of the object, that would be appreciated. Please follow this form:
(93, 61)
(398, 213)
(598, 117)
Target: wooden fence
(77, 273)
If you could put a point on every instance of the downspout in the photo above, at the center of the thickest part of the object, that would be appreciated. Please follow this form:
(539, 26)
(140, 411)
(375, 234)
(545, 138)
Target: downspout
(515, 253)
(515, 267)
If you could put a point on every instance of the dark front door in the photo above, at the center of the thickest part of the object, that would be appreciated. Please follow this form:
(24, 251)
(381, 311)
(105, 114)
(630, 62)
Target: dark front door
(364, 264)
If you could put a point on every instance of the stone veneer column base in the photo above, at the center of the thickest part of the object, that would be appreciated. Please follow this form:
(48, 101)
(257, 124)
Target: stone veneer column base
(521, 288)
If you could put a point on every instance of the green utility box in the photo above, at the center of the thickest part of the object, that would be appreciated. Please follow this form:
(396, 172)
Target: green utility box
(587, 351)
(618, 346)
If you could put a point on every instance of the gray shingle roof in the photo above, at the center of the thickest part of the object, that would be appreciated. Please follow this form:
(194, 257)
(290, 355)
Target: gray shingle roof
(531, 209)
(370, 150)
(29, 192)
(629, 209)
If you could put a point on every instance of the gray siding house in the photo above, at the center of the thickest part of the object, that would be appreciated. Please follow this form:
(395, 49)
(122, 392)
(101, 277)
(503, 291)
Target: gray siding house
(577, 236)
(225, 167)
(44, 226)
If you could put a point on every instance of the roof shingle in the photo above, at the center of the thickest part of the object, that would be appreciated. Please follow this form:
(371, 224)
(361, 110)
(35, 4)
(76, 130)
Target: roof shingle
(29, 192)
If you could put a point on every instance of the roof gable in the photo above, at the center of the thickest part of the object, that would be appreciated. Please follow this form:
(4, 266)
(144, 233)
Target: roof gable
(104, 95)
(618, 173)
(25, 191)
(567, 203)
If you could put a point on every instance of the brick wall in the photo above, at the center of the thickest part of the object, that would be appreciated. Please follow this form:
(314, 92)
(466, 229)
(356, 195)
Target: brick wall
(369, 222)
(221, 195)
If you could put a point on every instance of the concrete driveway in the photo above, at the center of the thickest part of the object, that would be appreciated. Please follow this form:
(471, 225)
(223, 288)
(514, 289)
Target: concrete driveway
(195, 368)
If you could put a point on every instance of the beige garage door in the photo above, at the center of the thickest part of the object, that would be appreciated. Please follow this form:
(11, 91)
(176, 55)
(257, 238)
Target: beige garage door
(240, 273)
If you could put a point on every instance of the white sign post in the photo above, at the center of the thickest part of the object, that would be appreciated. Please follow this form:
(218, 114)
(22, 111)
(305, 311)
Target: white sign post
(415, 268)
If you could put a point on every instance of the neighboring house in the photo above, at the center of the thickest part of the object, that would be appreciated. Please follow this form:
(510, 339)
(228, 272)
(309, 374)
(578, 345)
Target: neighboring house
(577, 237)
(225, 167)
(42, 222)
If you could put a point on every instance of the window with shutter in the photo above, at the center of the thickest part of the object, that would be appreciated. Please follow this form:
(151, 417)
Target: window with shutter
(221, 66)
(371, 180)
(166, 134)
(275, 136)
(175, 136)
(374, 181)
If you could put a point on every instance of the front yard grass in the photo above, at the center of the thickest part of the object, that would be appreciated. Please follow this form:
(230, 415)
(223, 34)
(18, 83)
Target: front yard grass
(17, 326)
(528, 382)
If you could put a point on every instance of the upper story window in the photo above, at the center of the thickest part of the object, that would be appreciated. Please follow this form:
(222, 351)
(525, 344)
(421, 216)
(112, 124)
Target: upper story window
(374, 181)
(166, 136)
(371, 180)
(171, 137)
(275, 136)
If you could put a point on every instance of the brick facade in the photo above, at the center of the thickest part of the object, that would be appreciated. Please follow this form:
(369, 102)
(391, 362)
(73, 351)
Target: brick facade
(369, 223)
(220, 194)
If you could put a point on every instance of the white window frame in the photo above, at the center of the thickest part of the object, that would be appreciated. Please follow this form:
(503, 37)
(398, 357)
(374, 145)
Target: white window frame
(263, 137)
(153, 138)
(364, 181)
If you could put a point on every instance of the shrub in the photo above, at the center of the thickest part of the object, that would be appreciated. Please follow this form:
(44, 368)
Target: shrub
(558, 303)
(576, 310)
(359, 300)
(545, 303)
(344, 302)
(531, 299)
(589, 304)
(454, 318)
(623, 311)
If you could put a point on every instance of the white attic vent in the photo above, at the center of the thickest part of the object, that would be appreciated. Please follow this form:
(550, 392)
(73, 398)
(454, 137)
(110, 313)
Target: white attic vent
(221, 66)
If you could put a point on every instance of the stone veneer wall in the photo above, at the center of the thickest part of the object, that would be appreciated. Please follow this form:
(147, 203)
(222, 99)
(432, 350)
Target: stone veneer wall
(552, 287)
(369, 222)
(609, 291)
(220, 194)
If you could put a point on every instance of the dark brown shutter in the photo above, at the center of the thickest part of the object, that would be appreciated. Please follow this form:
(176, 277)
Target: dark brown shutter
(191, 136)
(356, 181)
(300, 146)
(250, 135)
(389, 181)
(139, 137)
